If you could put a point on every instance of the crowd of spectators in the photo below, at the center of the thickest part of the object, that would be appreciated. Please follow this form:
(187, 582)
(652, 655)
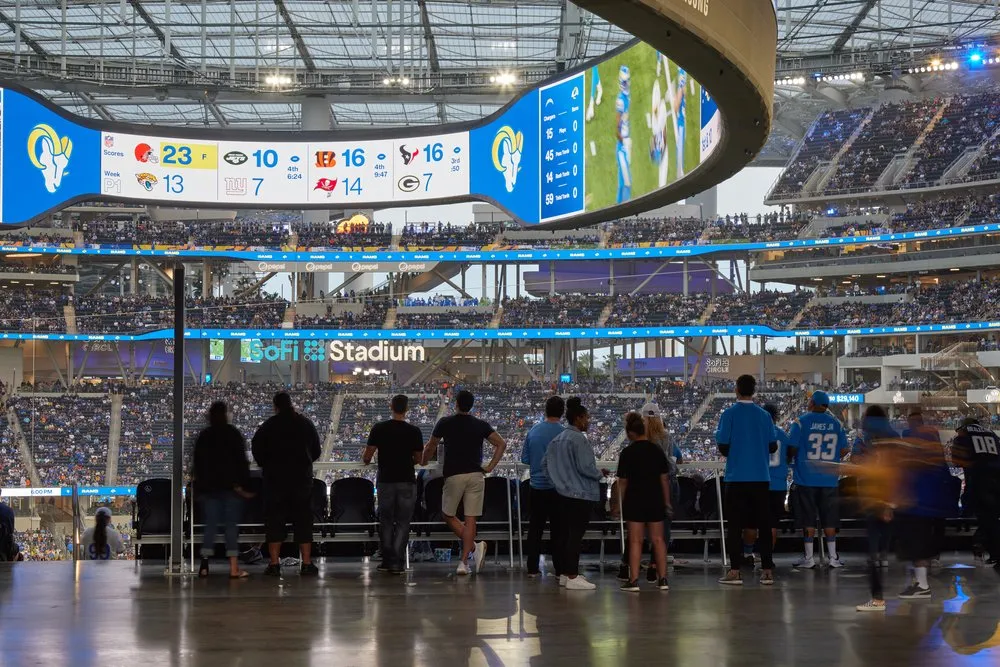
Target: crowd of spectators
(245, 232)
(67, 436)
(439, 301)
(966, 121)
(673, 231)
(331, 235)
(769, 307)
(112, 313)
(126, 231)
(12, 470)
(742, 228)
(892, 130)
(40, 545)
(825, 138)
(34, 310)
(554, 240)
(658, 309)
(19, 267)
(571, 310)
(473, 235)
(450, 319)
(372, 316)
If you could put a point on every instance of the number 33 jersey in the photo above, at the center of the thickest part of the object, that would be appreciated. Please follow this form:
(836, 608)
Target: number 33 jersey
(820, 438)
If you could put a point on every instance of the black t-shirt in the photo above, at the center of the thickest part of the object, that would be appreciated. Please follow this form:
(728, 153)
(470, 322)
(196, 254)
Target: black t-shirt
(395, 441)
(462, 435)
(642, 463)
(980, 449)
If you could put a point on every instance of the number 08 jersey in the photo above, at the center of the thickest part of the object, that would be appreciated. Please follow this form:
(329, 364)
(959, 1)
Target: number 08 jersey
(820, 438)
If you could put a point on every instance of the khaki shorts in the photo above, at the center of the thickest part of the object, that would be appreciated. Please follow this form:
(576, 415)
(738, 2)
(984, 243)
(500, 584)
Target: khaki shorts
(469, 488)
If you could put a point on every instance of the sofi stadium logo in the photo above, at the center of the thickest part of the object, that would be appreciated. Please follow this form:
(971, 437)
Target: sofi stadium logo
(338, 350)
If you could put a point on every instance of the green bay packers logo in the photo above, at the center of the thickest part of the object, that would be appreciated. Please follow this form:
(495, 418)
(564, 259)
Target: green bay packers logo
(507, 148)
(49, 153)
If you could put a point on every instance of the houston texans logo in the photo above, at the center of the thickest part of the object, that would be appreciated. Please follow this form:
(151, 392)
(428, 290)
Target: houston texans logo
(407, 155)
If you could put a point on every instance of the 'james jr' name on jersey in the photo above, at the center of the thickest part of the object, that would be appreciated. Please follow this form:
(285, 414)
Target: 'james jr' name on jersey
(820, 438)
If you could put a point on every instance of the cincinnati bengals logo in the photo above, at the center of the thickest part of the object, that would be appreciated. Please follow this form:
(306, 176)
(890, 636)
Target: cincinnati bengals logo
(326, 159)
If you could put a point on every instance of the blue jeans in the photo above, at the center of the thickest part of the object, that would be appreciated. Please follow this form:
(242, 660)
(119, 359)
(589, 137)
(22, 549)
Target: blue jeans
(226, 508)
(396, 501)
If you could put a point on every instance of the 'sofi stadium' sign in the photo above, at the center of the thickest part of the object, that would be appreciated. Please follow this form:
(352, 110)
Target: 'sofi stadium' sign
(591, 140)
(338, 350)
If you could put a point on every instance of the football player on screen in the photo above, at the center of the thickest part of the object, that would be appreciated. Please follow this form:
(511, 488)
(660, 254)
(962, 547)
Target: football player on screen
(657, 121)
(624, 147)
(596, 93)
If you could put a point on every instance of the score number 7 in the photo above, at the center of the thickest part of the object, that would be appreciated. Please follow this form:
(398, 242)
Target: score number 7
(259, 182)
(822, 447)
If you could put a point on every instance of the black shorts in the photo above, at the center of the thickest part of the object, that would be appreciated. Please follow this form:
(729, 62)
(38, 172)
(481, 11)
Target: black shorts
(816, 501)
(777, 504)
(284, 506)
(746, 504)
(914, 535)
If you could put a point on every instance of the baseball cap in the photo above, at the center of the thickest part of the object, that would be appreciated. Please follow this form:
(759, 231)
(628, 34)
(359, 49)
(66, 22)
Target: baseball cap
(650, 410)
(821, 398)
(103, 510)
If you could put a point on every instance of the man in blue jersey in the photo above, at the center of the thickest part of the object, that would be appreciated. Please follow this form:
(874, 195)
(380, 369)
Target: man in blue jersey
(778, 489)
(624, 146)
(817, 438)
(543, 493)
(746, 437)
(679, 104)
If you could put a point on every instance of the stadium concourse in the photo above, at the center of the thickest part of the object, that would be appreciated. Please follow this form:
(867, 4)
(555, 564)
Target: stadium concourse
(375, 210)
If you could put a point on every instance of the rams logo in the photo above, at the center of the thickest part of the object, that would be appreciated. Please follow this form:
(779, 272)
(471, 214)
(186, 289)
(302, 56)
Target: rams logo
(507, 148)
(50, 154)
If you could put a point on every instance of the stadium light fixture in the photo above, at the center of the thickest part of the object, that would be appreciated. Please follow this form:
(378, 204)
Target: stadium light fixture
(276, 80)
(975, 57)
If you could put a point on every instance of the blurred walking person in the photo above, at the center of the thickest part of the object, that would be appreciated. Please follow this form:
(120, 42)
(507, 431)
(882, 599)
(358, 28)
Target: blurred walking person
(285, 447)
(399, 445)
(220, 477)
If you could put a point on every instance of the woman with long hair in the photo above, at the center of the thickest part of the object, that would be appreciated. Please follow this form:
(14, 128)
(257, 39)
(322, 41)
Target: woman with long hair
(220, 476)
(101, 541)
(643, 479)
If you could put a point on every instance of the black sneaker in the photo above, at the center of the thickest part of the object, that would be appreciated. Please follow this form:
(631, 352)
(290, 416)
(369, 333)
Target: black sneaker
(748, 560)
(383, 568)
(397, 570)
(623, 573)
(273, 571)
(663, 584)
(651, 573)
(309, 570)
(915, 592)
(630, 586)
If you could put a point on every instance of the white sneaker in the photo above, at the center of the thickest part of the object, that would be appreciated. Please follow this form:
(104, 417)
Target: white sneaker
(835, 563)
(805, 563)
(872, 605)
(463, 569)
(562, 580)
(756, 561)
(579, 584)
(480, 555)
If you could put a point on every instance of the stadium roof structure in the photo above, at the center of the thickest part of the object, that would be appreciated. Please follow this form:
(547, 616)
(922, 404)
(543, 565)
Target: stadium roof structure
(248, 63)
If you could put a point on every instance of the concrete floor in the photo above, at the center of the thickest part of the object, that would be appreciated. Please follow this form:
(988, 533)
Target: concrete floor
(119, 614)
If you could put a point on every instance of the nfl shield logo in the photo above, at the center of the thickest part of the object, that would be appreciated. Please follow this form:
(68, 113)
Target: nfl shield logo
(109, 141)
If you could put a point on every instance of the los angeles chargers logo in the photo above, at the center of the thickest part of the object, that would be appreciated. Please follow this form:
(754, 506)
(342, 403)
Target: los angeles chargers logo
(50, 154)
(508, 146)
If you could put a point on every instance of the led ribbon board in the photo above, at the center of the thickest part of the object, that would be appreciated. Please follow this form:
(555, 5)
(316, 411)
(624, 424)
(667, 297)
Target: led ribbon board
(627, 132)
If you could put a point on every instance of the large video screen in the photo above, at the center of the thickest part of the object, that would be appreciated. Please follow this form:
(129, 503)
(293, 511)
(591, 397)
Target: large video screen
(588, 141)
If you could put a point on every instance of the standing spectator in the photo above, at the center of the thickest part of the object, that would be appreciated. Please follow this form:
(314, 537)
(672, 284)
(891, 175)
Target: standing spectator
(570, 464)
(977, 450)
(9, 550)
(464, 474)
(543, 494)
(399, 445)
(643, 477)
(221, 474)
(817, 438)
(746, 438)
(101, 541)
(285, 447)
(875, 426)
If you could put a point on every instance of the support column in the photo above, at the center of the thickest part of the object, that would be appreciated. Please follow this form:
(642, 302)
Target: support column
(552, 278)
(611, 280)
(177, 488)
(316, 115)
(685, 279)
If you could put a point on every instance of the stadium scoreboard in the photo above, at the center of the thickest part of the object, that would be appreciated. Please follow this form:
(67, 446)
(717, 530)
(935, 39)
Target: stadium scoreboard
(591, 140)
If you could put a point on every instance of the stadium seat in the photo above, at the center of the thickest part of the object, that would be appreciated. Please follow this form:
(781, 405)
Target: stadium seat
(352, 506)
(152, 508)
(321, 506)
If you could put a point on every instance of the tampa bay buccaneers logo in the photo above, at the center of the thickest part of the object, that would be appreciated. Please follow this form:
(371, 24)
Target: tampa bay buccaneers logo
(407, 155)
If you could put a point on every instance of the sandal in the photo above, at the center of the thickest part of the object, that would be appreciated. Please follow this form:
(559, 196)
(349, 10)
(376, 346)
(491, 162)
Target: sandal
(243, 574)
(203, 570)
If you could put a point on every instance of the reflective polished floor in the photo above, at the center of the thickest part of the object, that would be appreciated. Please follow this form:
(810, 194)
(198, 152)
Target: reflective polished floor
(117, 614)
